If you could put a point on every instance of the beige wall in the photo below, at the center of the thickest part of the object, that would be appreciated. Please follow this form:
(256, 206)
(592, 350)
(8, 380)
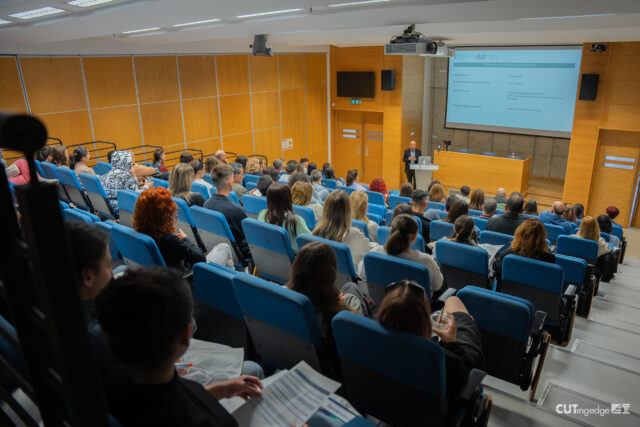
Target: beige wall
(549, 155)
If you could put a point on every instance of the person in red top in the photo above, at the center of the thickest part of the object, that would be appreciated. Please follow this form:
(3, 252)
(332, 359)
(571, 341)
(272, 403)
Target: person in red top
(158, 160)
(379, 186)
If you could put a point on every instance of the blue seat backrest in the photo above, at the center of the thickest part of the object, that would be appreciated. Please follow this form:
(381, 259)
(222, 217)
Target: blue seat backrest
(92, 183)
(234, 197)
(376, 209)
(442, 214)
(329, 183)
(605, 236)
(69, 179)
(211, 221)
(464, 150)
(127, 200)
(574, 268)
(254, 204)
(388, 217)
(113, 247)
(207, 177)
(553, 231)
(436, 205)
(375, 218)
(201, 189)
(251, 178)
(76, 215)
(500, 314)
(307, 214)
(102, 168)
(475, 212)
(440, 229)
(481, 223)
(495, 238)
(488, 153)
(617, 231)
(371, 345)
(376, 198)
(251, 186)
(39, 168)
(394, 200)
(49, 170)
(213, 285)
(362, 226)
(277, 306)
(136, 248)
(184, 215)
(383, 269)
(578, 247)
(531, 272)
(346, 269)
(157, 182)
(97, 195)
(384, 232)
(462, 256)
(267, 236)
(348, 190)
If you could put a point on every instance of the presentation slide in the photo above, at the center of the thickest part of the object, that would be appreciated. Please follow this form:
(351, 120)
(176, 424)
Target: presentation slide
(517, 90)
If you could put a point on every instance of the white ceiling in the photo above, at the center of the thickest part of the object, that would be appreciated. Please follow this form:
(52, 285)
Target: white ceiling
(98, 30)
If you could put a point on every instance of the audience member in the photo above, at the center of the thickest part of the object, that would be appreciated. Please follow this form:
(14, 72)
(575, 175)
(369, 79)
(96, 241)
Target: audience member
(59, 156)
(147, 318)
(209, 163)
(222, 175)
(436, 193)
(606, 226)
(501, 197)
(456, 210)
(277, 165)
(330, 174)
(464, 231)
(243, 161)
(510, 220)
(253, 166)
(359, 205)
(180, 185)
(401, 209)
(110, 155)
(280, 212)
(418, 207)
(336, 225)
(264, 182)
(404, 231)
(578, 210)
(304, 162)
(405, 307)
(529, 240)
(18, 173)
(531, 207)
(155, 215)
(612, 212)
(432, 183)
(316, 181)
(554, 216)
(569, 214)
(489, 208)
(238, 177)
(312, 166)
(44, 154)
(142, 172)
(78, 161)
(352, 180)
(302, 177)
(464, 194)
(406, 190)
(186, 157)
(272, 172)
(379, 186)
(221, 156)
(289, 170)
(121, 177)
(477, 200)
(325, 166)
(198, 169)
(158, 160)
(590, 230)
(301, 195)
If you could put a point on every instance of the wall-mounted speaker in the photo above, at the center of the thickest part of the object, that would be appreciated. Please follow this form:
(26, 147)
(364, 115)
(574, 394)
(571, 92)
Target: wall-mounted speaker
(388, 80)
(589, 87)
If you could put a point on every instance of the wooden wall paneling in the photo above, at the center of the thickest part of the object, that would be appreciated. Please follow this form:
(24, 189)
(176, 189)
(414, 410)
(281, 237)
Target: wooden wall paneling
(162, 123)
(373, 140)
(264, 73)
(11, 95)
(157, 78)
(317, 142)
(53, 84)
(347, 149)
(363, 58)
(291, 69)
(315, 66)
(208, 146)
(201, 120)
(412, 100)
(197, 76)
(109, 81)
(71, 127)
(233, 74)
(316, 103)
(299, 134)
(293, 106)
(266, 110)
(235, 114)
(120, 125)
(392, 166)
(242, 144)
(268, 143)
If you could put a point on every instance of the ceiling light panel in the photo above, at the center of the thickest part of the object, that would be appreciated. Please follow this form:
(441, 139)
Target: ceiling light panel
(88, 3)
(4, 21)
(141, 30)
(37, 13)
(273, 12)
(357, 3)
(206, 21)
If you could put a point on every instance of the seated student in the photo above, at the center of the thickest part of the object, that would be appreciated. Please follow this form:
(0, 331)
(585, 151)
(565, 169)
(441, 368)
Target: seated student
(432, 214)
(316, 181)
(554, 216)
(304, 162)
(143, 172)
(290, 169)
(147, 318)
(464, 231)
(457, 209)
(158, 160)
(223, 179)
(18, 173)
(330, 174)
(312, 166)
(121, 177)
(59, 156)
(198, 169)
(302, 194)
(253, 166)
(271, 172)
(590, 230)
(155, 215)
(336, 225)
(401, 209)
(529, 240)
(209, 163)
(606, 226)
(531, 207)
(510, 220)
(180, 185)
(43, 154)
(379, 186)
(186, 157)
(569, 214)
(243, 162)
(359, 204)
(501, 197)
(221, 156)
(489, 208)
(352, 181)
(418, 207)
(238, 177)
(477, 199)
(436, 193)
(464, 194)
(302, 177)
(578, 211)
(277, 165)
(406, 189)
(404, 230)
(405, 307)
(612, 212)
(280, 212)
(263, 184)
(78, 161)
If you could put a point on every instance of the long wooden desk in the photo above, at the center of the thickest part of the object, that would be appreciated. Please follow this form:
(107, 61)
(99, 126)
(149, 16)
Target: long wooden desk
(477, 171)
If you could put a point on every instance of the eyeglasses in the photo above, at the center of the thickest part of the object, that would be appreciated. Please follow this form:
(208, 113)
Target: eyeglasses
(413, 286)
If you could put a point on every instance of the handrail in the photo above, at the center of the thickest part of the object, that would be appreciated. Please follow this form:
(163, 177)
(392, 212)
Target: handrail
(110, 146)
(58, 141)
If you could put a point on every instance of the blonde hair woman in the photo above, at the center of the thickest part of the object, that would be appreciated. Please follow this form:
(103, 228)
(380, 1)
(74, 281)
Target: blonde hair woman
(301, 194)
(253, 166)
(336, 225)
(590, 230)
(359, 204)
(436, 194)
(180, 182)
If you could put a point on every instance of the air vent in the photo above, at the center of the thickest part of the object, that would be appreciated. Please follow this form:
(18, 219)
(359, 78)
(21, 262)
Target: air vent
(405, 49)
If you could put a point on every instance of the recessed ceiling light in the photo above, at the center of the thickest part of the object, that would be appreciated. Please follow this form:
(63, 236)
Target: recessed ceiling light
(36, 13)
(141, 30)
(4, 21)
(357, 3)
(87, 3)
(273, 12)
(566, 17)
(197, 22)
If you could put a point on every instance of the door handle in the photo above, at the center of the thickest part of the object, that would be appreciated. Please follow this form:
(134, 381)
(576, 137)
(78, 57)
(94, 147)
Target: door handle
(366, 151)
(358, 150)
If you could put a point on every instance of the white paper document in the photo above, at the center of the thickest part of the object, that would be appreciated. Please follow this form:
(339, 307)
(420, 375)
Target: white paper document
(289, 400)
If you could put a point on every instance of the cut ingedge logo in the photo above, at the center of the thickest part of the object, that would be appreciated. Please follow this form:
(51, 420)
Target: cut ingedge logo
(575, 409)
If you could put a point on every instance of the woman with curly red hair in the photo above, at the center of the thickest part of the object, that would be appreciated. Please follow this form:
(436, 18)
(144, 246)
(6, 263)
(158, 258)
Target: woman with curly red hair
(155, 215)
(379, 186)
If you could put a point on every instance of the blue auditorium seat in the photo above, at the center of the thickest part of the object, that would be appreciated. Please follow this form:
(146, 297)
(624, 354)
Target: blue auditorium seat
(362, 226)
(213, 229)
(253, 205)
(69, 181)
(250, 178)
(388, 217)
(126, 205)
(251, 186)
(200, 189)
(464, 150)
(207, 178)
(137, 249)
(329, 183)
(394, 200)
(270, 249)
(495, 238)
(474, 212)
(436, 205)
(375, 218)
(307, 214)
(462, 265)
(234, 197)
(440, 229)
(79, 215)
(376, 198)
(376, 209)
(553, 232)
(348, 190)
(102, 168)
(157, 182)
(382, 270)
(113, 247)
(186, 224)
(480, 223)
(97, 195)
(346, 270)
(489, 153)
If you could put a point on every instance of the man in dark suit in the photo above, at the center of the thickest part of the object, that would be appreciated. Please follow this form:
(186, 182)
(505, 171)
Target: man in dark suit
(410, 157)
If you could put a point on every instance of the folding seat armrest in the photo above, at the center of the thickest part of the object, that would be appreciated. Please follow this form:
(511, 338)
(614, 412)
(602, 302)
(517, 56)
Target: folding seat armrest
(473, 385)
(538, 322)
(446, 294)
(571, 290)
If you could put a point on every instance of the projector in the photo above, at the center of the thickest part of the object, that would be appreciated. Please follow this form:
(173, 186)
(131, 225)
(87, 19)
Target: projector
(411, 42)
(259, 46)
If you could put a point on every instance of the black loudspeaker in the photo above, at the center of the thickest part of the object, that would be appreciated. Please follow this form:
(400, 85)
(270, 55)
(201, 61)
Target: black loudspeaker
(388, 80)
(589, 87)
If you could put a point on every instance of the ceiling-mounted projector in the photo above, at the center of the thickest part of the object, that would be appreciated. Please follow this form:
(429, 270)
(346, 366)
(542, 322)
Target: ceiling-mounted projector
(259, 46)
(411, 42)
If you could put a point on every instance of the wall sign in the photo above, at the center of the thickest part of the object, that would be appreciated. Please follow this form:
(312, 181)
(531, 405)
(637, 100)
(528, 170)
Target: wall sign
(287, 144)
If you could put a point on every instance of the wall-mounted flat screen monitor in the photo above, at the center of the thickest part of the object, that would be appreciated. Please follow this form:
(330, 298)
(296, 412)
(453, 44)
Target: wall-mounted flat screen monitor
(356, 84)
